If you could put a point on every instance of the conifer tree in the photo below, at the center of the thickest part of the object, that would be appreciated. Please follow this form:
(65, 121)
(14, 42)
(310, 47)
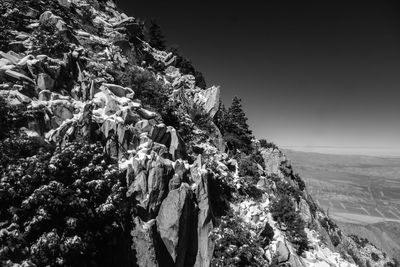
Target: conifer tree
(156, 37)
(235, 129)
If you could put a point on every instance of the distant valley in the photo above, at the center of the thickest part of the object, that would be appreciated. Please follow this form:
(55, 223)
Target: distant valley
(357, 189)
(362, 193)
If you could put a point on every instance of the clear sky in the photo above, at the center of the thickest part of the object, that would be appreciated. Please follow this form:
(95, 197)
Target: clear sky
(309, 73)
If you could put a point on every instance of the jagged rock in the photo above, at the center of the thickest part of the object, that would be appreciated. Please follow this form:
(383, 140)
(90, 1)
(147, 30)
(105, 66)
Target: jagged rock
(173, 221)
(184, 81)
(62, 109)
(44, 95)
(216, 137)
(4, 62)
(11, 57)
(161, 56)
(118, 90)
(129, 116)
(101, 23)
(175, 182)
(167, 136)
(305, 212)
(208, 100)
(272, 159)
(112, 106)
(19, 76)
(49, 19)
(15, 97)
(160, 172)
(150, 185)
(146, 114)
(143, 126)
(174, 143)
(45, 82)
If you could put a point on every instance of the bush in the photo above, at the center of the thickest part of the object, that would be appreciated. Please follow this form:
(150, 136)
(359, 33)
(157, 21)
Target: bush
(296, 177)
(360, 241)
(234, 245)
(48, 42)
(265, 144)
(283, 211)
(186, 67)
(335, 240)
(375, 256)
(63, 209)
(286, 189)
(247, 167)
(151, 92)
(266, 235)
(220, 194)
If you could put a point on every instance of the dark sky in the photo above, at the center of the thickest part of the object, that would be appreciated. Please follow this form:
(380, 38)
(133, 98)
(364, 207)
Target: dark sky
(310, 73)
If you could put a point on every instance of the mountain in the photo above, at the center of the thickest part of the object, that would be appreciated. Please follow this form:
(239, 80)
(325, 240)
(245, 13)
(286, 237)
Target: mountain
(113, 153)
(384, 235)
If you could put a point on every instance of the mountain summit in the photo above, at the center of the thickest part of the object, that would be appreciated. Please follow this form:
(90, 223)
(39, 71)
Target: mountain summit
(114, 153)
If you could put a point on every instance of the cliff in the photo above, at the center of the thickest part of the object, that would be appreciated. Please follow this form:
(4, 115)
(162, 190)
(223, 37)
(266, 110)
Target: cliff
(121, 162)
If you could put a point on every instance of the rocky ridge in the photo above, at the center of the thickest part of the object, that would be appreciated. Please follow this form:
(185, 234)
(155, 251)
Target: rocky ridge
(65, 62)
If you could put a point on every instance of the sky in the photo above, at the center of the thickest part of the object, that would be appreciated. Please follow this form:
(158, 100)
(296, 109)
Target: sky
(309, 73)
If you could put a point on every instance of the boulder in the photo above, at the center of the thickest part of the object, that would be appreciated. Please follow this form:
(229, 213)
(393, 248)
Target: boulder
(282, 253)
(62, 109)
(3, 63)
(112, 106)
(143, 126)
(15, 97)
(305, 212)
(146, 114)
(44, 95)
(174, 143)
(118, 90)
(51, 20)
(45, 82)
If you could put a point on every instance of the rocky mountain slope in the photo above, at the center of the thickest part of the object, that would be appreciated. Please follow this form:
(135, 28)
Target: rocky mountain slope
(111, 157)
(384, 235)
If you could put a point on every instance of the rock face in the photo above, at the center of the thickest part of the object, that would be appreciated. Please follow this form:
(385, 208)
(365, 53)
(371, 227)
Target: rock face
(65, 63)
(172, 223)
(273, 159)
(205, 224)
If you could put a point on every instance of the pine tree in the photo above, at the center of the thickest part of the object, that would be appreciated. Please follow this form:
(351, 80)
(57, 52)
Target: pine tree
(234, 127)
(156, 37)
